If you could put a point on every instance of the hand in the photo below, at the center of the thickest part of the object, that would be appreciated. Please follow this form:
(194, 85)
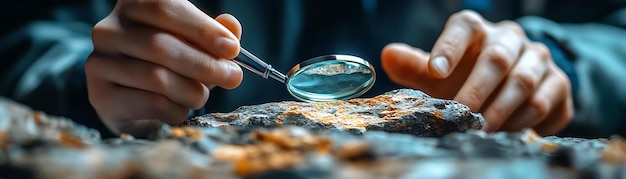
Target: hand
(154, 60)
(493, 69)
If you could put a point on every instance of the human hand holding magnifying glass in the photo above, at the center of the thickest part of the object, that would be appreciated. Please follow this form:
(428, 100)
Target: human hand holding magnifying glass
(323, 78)
(155, 60)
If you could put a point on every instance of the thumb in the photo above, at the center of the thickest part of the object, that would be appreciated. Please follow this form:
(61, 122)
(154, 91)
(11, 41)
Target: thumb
(405, 65)
(231, 23)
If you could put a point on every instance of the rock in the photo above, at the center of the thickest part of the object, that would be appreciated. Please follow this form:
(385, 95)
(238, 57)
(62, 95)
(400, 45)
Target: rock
(20, 125)
(399, 111)
(614, 152)
(295, 152)
(33, 146)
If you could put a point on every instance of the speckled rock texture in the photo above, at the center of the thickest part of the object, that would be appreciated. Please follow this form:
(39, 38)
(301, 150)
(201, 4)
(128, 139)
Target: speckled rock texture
(35, 145)
(404, 111)
(20, 125)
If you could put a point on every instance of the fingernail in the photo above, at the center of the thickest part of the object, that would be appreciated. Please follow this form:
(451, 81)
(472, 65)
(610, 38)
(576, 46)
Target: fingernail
(234, 75)
(234, 68)
(225, 47)
(441, 65)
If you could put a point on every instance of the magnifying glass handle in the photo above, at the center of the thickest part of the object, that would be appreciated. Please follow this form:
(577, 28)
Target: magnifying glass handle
(248, 61)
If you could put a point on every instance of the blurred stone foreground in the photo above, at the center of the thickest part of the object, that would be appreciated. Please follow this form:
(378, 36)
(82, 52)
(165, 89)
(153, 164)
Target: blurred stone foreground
(400, 134)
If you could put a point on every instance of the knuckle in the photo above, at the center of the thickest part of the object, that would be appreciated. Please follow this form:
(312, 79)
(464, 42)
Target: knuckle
(541, 107)
(562, 79)
(500, 57)
(101, 34)
(542, 50)
(158, 78)
(159, 45)
(511, 26)
(468, 16)
(526, 80)
(99, 31)
(471, 19)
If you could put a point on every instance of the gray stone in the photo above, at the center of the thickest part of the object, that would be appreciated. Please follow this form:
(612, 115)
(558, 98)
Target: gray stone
(35, 145)
(399, 111)
(20, 125)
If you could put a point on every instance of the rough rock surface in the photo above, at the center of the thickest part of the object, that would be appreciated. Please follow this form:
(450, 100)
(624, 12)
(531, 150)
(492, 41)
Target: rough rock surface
(34, 145)
(399, 111)
(19, 125)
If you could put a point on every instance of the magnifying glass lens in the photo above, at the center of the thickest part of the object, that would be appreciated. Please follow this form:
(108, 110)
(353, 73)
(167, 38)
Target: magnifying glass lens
(323, 78)
(331, 80)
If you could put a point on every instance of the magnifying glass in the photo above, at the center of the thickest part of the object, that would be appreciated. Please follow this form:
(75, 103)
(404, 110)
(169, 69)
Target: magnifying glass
(323, 78)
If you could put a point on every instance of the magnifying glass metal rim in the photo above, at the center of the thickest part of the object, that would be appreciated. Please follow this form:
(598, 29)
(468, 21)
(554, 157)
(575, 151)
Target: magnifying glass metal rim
(324, 59)
(252, 63)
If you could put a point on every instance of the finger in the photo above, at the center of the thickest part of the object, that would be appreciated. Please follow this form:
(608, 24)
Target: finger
(535, 110)
(522, 81)
(102, 33)
(119, 100)
(169, 51)
(99, 93)
(460, 30)
(563, 112)
(126, 109)
(119, 106)
(493, 64)
(184, 19)
(405, 64)
(231, 23)
(151, 77)
(557, 120)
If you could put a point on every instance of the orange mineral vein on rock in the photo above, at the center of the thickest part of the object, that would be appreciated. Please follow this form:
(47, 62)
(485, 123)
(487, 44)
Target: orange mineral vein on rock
(272, 150)
(401, 111)
(615, 151)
